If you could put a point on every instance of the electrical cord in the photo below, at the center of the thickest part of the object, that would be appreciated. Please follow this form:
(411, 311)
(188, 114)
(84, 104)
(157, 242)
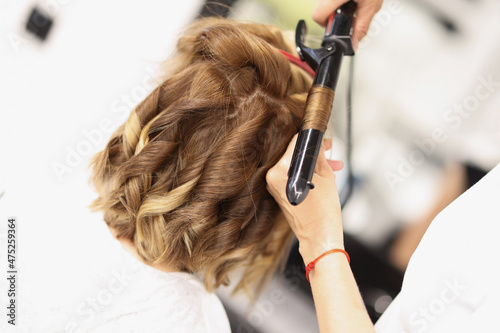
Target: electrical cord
(346, 192)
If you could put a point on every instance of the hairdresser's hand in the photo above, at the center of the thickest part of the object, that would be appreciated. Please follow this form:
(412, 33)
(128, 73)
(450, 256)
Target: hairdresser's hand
(364, 13)
(316, 221)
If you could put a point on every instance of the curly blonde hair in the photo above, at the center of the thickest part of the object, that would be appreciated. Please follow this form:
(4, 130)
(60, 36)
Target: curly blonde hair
(184, 177)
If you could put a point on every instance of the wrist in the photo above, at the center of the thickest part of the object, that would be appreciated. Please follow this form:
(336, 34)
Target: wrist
(329, 265)
(311, 249)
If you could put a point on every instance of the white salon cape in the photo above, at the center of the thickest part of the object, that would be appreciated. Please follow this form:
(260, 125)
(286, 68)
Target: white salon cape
(453, 278)
(149, 300)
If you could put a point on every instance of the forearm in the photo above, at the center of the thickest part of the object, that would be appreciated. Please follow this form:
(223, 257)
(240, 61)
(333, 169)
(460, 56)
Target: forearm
(339, 306)
(317, 223)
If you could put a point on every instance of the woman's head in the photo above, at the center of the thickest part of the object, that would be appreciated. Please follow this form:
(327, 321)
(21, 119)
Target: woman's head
(184, 177)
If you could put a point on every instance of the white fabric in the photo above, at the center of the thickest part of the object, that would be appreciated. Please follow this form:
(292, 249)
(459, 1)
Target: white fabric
(155, 301)
(452, 280)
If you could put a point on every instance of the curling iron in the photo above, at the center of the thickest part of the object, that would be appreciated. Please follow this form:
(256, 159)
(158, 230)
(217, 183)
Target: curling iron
(326, 62)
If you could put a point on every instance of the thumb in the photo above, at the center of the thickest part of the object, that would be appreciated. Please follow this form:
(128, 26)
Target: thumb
(324, 9)
(364, 15)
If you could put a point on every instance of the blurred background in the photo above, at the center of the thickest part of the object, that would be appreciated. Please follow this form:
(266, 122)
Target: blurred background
(425, 127)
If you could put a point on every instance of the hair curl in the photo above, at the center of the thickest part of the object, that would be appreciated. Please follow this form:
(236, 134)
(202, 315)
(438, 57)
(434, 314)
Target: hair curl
(184, 177)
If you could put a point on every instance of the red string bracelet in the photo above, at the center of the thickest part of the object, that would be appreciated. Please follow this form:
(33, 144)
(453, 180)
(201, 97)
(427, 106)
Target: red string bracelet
(311, 265)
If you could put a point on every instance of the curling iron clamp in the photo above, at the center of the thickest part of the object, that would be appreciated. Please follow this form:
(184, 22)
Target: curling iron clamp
(326, 62)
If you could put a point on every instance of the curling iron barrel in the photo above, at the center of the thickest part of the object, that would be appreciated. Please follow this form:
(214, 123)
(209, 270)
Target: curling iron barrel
(326, 62)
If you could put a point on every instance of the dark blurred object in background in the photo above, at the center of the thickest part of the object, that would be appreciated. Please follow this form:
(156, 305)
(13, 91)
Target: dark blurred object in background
(216, 8)
(39, 23)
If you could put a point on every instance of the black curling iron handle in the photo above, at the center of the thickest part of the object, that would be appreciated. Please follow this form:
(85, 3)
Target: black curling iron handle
(302, 168)
(340, 22)
(317, 113)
